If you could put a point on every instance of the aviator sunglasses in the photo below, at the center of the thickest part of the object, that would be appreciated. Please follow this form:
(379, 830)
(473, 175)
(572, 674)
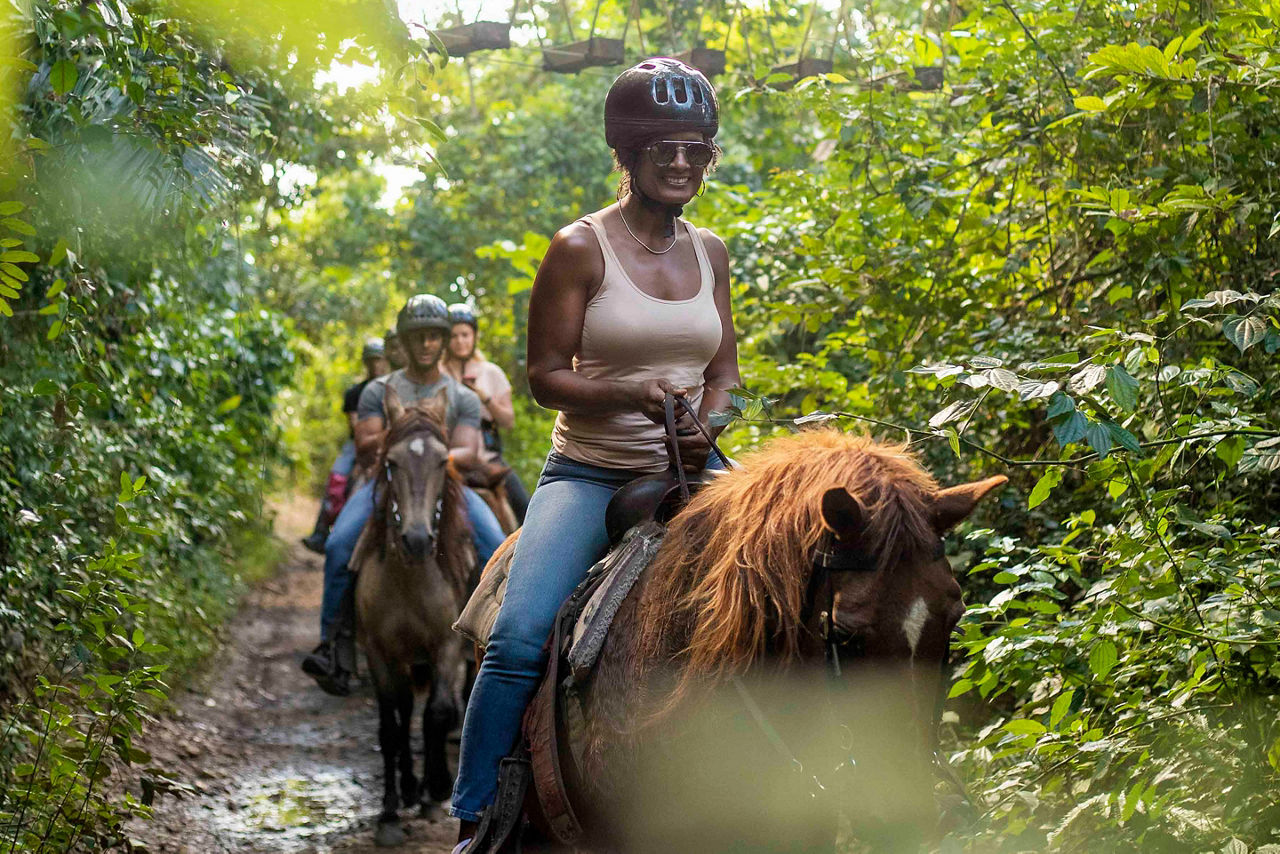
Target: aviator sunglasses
(664, 152)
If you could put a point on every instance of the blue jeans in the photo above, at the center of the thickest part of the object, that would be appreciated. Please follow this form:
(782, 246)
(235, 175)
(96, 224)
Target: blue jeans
(346, 459)
(485, 531)
(562, 537)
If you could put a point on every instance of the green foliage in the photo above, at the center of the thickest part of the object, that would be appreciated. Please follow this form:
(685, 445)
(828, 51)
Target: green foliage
(139, 372)
(1061, 266)
(1060, 263)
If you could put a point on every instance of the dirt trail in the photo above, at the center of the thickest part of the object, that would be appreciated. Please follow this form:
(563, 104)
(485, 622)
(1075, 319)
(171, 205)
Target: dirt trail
(276, 765)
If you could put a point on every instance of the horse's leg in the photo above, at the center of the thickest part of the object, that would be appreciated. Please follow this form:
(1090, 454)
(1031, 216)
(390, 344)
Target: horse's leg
(441, 715)
(389, 831)
(438, 719)
(408, 780)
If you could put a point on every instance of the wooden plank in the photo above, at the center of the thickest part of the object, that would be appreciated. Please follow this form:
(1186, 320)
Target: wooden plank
(480, 35)
(709, 60)
(571, 58)
(808, 67)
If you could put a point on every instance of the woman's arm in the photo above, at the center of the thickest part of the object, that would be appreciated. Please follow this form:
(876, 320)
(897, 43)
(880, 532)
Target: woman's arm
(571, 271)
(464, 446)
(722, 372)
(502, 409)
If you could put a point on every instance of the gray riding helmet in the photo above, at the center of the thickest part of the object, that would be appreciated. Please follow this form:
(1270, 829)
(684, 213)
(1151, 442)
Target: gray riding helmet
(423, 311)
(460, 312)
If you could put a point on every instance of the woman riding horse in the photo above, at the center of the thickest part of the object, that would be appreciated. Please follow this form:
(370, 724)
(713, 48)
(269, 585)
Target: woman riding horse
(631, 303)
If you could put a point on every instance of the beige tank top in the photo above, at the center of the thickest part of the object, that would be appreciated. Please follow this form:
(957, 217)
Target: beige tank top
(630, 335)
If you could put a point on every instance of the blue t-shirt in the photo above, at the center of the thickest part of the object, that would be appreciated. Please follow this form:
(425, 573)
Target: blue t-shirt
(464, 406)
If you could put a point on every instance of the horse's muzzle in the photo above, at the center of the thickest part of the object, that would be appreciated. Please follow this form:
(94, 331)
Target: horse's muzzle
(417, 541)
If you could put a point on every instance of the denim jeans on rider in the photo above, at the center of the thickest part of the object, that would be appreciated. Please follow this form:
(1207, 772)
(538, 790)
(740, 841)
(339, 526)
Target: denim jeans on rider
(485, 530)
(346, 459)
(562, 537)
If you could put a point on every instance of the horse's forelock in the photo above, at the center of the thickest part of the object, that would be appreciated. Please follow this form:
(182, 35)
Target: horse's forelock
(729, 583)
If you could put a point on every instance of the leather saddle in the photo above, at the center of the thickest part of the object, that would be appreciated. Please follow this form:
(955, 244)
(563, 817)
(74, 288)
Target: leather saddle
(533, 780)
(653, 497)
(488, 476)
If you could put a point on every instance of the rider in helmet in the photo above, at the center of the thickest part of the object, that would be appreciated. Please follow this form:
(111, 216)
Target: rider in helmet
(423, 327)
(464, 362)
(630, 304)
(395, 351)
(335, 493)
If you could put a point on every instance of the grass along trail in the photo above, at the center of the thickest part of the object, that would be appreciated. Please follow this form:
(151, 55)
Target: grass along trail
(274, 764)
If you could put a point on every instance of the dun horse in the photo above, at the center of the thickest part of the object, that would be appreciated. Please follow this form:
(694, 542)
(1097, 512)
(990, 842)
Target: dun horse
(778, 663)
(416, 561)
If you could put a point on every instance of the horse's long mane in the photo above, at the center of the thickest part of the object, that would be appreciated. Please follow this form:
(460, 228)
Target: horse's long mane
(454, 530)
(729, 583)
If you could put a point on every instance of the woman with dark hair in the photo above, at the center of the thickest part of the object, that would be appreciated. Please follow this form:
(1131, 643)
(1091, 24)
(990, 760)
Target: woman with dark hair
(631, 303)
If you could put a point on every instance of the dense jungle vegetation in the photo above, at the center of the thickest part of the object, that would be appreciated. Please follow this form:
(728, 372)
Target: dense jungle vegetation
(1034, 237)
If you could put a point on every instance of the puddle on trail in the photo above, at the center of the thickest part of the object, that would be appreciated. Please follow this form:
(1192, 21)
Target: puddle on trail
(286, 810)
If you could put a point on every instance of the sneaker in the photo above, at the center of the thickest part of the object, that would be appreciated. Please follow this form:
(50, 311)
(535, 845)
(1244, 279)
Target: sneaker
(321, 666)
(314, 542)
(461, 846)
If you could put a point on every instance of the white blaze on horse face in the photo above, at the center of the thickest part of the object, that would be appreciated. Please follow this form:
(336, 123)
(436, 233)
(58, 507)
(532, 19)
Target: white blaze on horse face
(418, 447)
(913, 623)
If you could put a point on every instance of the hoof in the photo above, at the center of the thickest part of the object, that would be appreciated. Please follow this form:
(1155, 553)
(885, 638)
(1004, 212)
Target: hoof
(433, 812)
(389, 834)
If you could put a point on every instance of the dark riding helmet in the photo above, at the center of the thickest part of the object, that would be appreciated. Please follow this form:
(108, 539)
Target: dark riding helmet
(460, 312)
(373, 349)
(660, 95)
(423, 311)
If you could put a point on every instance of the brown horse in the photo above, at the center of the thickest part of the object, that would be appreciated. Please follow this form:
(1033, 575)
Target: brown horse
(416, 562)
(489, 482)
(780, 661)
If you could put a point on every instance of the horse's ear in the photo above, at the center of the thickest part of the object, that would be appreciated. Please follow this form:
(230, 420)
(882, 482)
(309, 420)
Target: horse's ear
(842, 514)
(391, 404)
(952, 505)
(436, 406)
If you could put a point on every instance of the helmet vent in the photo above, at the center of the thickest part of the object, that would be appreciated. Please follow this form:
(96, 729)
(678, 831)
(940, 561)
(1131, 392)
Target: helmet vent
(661, 91)
(698, 97)
(681, 90)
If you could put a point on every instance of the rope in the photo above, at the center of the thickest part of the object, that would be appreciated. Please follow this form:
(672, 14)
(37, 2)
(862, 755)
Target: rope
(635, 6)
(671, 27)
(840, 24)
(697, 30)
(568, 18)
(594, 18)
(728, 33)
(804, 40)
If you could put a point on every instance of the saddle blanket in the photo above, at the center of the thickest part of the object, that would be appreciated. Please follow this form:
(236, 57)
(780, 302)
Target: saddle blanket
(602, 592)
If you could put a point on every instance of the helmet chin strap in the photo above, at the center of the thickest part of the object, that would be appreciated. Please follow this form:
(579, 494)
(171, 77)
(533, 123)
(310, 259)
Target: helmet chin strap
(651, 204)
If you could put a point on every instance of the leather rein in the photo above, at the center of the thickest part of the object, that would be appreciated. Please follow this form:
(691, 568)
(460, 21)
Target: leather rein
(830, 556)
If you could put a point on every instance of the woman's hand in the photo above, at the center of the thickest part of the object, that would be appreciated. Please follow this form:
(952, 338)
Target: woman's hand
(651, 396)
(694, 447)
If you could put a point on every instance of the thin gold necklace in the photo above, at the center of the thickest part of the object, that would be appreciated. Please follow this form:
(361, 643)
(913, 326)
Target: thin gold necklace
(674, 239)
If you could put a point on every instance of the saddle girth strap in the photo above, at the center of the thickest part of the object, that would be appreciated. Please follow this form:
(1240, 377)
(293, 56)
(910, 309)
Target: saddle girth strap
(541, 728)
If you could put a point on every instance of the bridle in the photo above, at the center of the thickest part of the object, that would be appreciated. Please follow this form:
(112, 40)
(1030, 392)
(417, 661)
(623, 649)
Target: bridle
(393, 506)
(830, 557)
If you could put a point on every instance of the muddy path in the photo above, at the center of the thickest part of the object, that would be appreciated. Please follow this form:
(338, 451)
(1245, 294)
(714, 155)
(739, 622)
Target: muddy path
(273, 763)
